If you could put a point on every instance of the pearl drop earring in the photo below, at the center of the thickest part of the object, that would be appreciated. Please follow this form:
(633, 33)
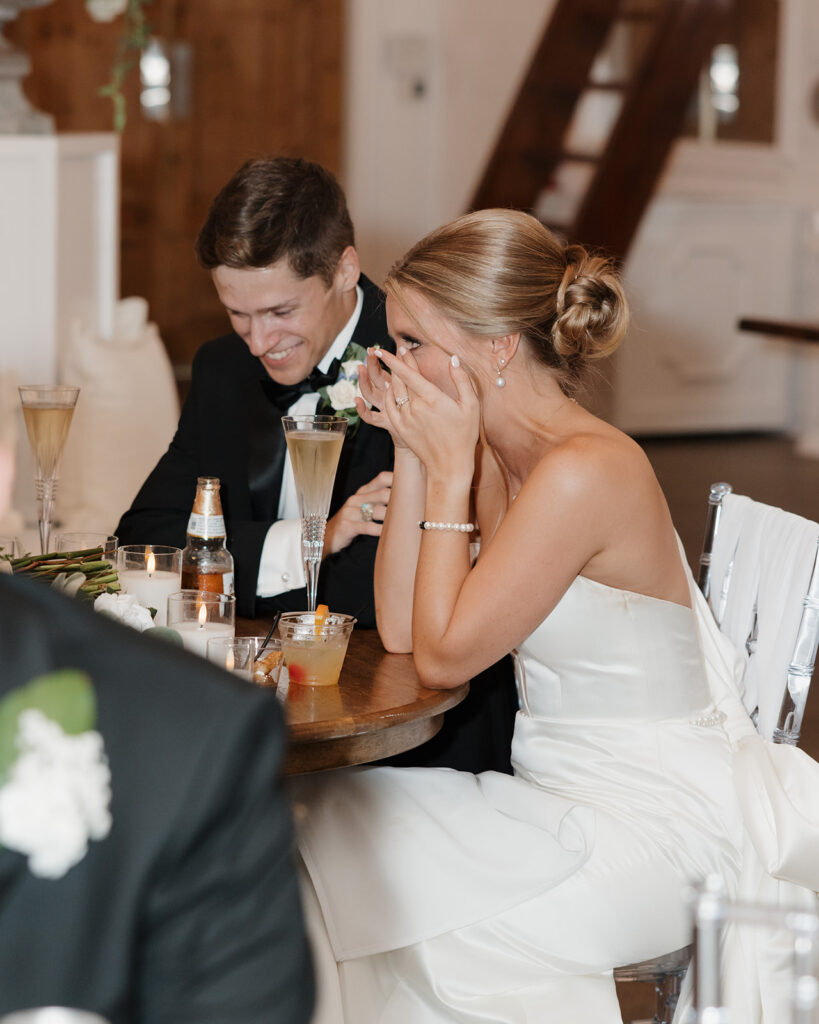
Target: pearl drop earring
(500, 380)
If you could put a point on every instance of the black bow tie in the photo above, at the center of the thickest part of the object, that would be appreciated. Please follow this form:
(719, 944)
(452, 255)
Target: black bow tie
(285, 395)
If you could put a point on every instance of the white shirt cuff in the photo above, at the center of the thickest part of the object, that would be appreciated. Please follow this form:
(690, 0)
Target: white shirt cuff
(281, 567)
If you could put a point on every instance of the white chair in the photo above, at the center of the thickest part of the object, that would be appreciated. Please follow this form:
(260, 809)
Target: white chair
(712, 912)
(759, 571)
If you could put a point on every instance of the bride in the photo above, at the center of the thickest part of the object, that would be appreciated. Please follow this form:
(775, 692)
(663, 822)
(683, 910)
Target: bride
(449, 897)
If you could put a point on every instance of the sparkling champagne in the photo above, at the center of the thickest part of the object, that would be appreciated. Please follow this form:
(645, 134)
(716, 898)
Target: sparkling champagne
(314, 445)
(314, 455)
(47, 427)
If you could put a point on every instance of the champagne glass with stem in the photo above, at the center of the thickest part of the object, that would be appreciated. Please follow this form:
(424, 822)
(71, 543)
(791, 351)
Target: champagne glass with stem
(47, 411)
(314, 444)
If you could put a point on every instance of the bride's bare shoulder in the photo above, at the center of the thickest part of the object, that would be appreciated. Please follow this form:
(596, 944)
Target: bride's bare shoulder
(595, 459)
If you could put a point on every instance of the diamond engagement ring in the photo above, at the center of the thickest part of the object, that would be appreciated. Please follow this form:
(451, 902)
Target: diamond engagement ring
(402, 401)
(367, 511)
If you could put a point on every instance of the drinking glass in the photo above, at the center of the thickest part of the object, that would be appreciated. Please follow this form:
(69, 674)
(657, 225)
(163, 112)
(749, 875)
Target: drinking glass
(151, 572)
(9, 547)
(314, 650)
(240, 655)
(314, 444)
(47, 410)
(83, 543)
(199, 616)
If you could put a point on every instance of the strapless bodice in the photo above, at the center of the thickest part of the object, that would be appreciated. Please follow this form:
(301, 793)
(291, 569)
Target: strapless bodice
(605, 653)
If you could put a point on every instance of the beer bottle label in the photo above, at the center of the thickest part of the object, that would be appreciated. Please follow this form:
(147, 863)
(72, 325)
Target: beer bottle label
(207, 527)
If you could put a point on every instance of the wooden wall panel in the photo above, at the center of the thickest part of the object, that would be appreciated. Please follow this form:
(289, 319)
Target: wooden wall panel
(266, 79)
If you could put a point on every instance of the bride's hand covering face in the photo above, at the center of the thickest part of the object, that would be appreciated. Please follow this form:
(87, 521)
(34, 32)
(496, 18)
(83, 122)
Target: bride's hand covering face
(430, 402)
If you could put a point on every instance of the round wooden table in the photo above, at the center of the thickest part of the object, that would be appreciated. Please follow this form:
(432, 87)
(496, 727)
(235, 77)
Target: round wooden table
(379, 708)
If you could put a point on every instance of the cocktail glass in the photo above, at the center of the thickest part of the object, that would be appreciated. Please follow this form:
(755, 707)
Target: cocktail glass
(47, 410)
(314, 444)
(314, 650)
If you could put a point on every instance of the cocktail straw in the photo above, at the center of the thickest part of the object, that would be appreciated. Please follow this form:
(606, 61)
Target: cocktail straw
(275, 623)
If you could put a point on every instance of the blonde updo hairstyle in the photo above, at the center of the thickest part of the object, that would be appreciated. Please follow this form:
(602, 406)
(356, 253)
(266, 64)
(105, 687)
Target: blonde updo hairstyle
(500, 272)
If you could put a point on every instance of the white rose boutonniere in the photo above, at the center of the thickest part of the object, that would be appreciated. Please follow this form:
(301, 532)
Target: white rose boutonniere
(55, 784)
(340, 397)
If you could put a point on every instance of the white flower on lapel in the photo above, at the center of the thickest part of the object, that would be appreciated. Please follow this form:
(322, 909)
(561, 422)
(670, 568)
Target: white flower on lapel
(342, 394)
(105, 10)
(56, 796)
(350, 368)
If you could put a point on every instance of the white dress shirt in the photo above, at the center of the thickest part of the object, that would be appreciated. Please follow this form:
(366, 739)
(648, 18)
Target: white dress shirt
(281, 567)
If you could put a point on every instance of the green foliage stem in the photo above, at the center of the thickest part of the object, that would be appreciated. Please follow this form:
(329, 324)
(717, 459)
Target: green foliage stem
(132, 42)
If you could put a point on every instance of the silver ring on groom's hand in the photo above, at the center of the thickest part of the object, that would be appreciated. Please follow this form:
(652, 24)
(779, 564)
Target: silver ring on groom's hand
(402, 401)
(367, 511)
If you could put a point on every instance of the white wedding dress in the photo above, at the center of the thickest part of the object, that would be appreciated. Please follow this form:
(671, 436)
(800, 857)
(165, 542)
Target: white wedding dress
(455, 898)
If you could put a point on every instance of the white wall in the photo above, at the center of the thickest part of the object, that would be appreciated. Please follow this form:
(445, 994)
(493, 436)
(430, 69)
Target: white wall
(412, 159)
(733, 231)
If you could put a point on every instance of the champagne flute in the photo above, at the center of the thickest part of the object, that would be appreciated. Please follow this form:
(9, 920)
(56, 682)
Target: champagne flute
(314, 444)
(47, 410)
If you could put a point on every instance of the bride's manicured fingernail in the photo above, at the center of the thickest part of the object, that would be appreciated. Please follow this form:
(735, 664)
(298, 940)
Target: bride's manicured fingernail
(456, 361)
(376, 352)
(402, 351)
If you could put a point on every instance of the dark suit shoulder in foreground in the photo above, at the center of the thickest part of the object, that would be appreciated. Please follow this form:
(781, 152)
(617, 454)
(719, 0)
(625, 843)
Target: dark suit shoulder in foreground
(188, 911)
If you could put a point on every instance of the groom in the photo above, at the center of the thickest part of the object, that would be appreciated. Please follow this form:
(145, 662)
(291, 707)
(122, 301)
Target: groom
(279, 243)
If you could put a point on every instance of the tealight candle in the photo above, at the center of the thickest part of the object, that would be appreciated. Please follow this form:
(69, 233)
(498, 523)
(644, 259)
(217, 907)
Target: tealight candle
(199, 616)
(151, 574)
(235, 653)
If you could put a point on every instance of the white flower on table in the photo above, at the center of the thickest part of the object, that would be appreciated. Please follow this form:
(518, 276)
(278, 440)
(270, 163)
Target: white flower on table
(342, 394)
(105, 10)
(56, 796)
(126, 608)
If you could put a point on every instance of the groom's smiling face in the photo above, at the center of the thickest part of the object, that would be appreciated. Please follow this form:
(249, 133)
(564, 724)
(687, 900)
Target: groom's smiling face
(288, 322)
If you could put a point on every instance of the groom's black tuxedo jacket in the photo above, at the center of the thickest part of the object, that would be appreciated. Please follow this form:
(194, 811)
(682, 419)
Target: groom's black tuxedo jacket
(188, 911)
(230, 429)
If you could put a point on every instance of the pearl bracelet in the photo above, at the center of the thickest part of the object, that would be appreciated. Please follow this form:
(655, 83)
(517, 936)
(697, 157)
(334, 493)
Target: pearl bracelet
(425, 524)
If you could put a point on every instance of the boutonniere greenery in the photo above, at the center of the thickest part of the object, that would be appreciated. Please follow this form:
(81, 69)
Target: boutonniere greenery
(55, 784)
(339, 398)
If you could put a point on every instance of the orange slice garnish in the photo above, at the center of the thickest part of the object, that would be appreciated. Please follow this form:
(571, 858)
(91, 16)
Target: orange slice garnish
(322, 611)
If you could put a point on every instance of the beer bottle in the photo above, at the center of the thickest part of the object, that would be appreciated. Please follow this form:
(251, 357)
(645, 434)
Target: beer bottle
(206, 562)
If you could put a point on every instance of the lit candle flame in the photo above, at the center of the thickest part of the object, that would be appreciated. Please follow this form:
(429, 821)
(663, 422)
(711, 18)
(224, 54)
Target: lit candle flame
(229, 661)
(151, 563)
(202, 614)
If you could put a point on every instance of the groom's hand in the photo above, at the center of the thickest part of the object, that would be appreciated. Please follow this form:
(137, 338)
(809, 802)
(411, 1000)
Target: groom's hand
(362, 513)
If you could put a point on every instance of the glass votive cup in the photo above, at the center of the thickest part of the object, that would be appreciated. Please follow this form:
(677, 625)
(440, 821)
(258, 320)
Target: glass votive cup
(9, 548)
(240, 655)
(151, 572)
(84, 542)
(199, 616)
(314, 650)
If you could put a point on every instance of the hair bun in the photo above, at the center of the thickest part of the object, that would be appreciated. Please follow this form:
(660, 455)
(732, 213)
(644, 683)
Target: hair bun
(591, 311)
